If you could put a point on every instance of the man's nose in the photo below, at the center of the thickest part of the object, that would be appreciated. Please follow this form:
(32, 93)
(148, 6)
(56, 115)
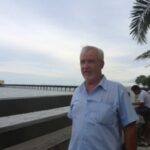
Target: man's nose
(86, 64)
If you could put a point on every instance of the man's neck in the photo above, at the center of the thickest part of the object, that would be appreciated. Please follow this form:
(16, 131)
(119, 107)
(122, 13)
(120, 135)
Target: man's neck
(90, 85)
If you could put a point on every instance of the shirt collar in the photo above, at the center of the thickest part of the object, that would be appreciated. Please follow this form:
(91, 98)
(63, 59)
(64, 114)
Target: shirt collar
(103, 83)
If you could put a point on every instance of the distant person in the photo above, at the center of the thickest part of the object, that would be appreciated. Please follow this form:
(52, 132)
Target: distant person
(143, 109)
(143, 102)
(100, 109)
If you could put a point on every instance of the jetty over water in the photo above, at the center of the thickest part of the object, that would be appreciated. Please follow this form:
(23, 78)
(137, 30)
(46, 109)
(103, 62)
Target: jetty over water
(42, 87)
(35, 122)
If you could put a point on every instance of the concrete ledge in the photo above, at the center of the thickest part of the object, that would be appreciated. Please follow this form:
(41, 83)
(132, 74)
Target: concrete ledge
(31, 104)
(17, 129)
(44, 142)
(23, 120)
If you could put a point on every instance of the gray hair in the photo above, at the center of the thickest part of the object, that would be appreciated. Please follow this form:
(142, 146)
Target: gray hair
(99, 51)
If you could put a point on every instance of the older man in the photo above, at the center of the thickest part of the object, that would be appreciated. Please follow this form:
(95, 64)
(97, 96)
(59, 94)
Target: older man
(100, 109)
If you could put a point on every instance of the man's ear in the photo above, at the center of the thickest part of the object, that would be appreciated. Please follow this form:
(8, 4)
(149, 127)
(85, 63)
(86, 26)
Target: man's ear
(102, 64)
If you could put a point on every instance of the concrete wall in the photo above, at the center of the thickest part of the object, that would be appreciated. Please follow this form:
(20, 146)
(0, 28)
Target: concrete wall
(21, 134)
(24, 105)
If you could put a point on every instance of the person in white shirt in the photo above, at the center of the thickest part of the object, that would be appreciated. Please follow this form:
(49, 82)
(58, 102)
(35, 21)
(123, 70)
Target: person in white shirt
(143, 102)
(143, 109)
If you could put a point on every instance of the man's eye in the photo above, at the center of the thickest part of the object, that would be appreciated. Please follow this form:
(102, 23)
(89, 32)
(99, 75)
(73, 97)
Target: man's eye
(91, 61)
(88, 61)
(82, 62)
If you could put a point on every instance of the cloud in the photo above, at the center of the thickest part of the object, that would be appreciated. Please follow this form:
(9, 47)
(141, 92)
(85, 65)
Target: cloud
(42, 39)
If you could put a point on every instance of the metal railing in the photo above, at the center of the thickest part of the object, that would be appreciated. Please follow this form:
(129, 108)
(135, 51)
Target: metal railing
(42, 87)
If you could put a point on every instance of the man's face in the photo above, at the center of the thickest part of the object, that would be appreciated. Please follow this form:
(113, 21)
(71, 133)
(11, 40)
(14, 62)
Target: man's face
(91, 65)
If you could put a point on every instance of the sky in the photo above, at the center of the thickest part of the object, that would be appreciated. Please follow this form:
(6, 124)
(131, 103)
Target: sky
(40, 40)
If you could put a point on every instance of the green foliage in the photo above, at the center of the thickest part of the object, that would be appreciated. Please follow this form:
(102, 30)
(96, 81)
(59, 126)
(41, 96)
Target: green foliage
(140, 24)
(144, 55)
(140, 20)
(144, 80)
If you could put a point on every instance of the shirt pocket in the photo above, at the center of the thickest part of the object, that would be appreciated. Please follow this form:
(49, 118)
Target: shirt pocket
(75, 110)
(101, 113)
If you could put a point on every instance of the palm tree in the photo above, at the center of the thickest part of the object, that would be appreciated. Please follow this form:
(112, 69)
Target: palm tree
(144, 55)
(140, 24)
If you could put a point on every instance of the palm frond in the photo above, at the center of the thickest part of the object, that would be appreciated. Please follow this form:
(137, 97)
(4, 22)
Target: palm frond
(140, 22)
(144, 55)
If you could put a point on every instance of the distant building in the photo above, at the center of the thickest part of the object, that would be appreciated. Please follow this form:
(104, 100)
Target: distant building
(2, 82)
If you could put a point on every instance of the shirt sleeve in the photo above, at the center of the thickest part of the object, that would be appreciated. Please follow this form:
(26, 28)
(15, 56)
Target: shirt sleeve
(70, 112)
(141, 97)
(69, 115)
(126, 110)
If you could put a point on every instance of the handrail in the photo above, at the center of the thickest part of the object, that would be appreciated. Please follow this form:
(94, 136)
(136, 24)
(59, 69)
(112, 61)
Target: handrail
(42, 87)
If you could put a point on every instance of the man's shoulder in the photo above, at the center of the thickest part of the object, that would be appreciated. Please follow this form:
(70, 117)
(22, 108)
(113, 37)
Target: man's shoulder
(78, 89)
(114, 84)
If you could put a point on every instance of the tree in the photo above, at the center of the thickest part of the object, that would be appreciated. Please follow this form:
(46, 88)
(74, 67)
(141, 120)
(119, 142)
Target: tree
(144, 55)
(140, 24)
(143, 80)
(148, 81)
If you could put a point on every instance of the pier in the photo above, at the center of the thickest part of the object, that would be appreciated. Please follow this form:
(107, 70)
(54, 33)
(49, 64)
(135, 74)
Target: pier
(42, 87)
